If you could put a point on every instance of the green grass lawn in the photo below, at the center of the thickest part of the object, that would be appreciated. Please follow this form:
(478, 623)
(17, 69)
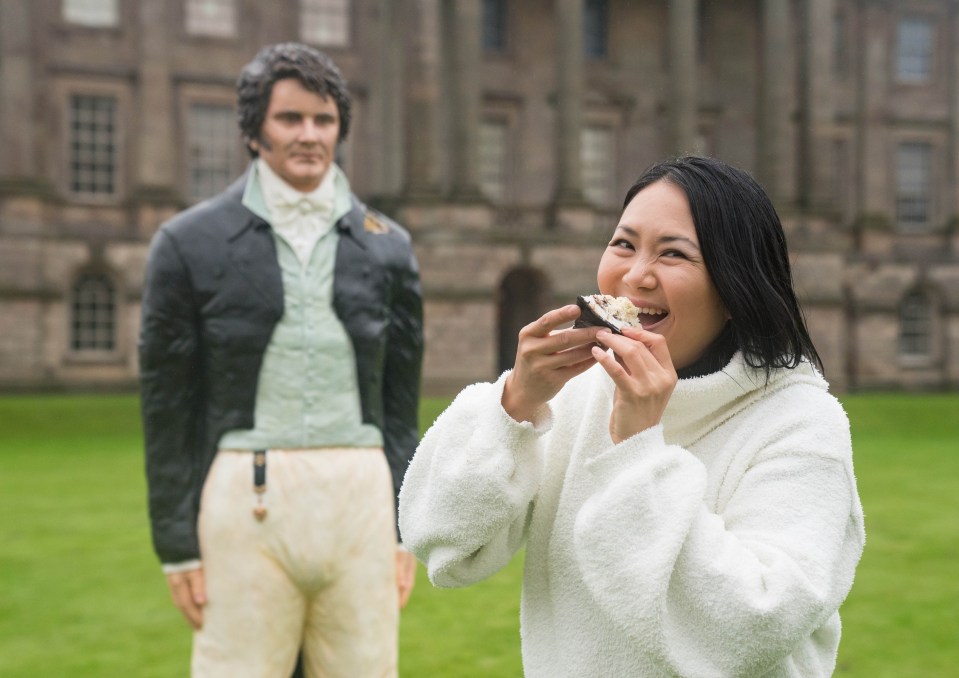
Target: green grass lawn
(902, 617)
(82, 596)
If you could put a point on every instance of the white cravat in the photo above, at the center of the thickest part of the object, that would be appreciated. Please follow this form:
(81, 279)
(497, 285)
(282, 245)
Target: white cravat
(300, 218)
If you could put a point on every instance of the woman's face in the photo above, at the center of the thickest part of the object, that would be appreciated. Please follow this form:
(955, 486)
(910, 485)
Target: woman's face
(654, 259)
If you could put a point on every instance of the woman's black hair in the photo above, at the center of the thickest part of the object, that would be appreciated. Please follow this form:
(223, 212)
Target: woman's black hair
(744, 248)
(314, 70)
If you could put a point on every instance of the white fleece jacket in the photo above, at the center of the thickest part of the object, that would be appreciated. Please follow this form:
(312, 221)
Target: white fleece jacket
(718, 543)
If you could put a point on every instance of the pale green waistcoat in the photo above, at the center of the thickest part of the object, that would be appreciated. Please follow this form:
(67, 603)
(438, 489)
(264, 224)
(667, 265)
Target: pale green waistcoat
(307, 394)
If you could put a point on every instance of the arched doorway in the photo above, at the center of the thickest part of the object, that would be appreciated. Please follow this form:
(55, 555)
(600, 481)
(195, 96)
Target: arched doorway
(523, 297)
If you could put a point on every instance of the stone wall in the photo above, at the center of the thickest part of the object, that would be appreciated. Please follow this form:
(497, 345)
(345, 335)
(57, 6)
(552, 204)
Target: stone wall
(821, 138)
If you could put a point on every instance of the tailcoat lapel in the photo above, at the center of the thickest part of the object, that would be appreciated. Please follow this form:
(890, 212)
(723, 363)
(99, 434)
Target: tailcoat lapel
(252, 249)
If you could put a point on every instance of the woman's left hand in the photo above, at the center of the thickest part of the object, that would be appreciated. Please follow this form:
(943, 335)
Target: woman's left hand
(644, 376)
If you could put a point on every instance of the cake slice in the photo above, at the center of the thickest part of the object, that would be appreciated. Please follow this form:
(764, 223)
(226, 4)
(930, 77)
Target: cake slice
(605, 310)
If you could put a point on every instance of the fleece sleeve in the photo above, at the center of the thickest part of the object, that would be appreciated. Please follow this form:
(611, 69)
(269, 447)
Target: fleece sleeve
(728, 592)
(468, 492)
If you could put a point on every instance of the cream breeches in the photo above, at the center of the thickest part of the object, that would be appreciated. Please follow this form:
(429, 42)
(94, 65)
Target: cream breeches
(318, 572)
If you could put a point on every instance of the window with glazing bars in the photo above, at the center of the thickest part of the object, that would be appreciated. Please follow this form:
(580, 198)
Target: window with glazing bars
(216, 18)
(913, 185)
(93, 309)
(914, 50)
(90, 12)
(596, 156)
(915, 324)
(93, 145)
(494, 25)
(212, 149)
(595, 28)
(492, 158)
(325, 22)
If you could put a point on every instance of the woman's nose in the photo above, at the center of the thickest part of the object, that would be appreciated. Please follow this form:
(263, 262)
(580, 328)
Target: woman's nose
(640, 275)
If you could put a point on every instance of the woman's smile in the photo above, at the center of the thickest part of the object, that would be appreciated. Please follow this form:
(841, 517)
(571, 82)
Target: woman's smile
(650, 315)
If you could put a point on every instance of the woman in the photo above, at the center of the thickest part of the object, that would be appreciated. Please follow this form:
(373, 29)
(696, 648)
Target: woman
(686, 492)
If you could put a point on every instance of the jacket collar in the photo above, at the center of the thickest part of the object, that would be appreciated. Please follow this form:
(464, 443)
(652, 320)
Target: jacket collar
(241, 219)
(249, 253)
(351, 224)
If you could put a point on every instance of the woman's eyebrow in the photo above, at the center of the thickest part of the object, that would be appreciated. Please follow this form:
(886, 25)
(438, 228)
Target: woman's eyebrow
(662, 240)
(666, 239)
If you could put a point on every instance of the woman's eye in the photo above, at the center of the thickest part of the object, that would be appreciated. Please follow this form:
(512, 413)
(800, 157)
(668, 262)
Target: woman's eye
(674, 254)
(621, 243)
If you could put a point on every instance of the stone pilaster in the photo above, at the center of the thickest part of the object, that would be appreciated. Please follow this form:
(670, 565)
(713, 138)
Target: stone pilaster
(155, 170)
(18, 161)
(569, 119)
(952, 195)
(463, 23)
(816, 165)
(774, 100)
(873, 77)
(386, 101)
(683, 66)
(424, 102)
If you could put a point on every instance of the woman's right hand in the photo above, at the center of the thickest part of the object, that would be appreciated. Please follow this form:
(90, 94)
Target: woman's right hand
(546, 358)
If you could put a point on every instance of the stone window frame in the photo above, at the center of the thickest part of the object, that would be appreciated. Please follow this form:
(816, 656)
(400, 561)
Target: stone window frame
(193, 95)
(927, 192)
(92, 159)
(596, 29)
(601, 194)
(925, 328)
(497, 190)
(611, 116)
(113, 351)
(495, 27)
(199, 26)
(600, 113)
(311, 10)
(504, 110)
(929, 75)
(64, 92)
(81, 7)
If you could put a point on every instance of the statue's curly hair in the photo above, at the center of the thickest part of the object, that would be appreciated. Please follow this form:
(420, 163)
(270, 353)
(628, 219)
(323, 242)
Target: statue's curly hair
(315, 71)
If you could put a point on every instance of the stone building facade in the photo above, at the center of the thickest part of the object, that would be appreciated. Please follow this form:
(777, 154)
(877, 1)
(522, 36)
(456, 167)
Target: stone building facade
(503, 133)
